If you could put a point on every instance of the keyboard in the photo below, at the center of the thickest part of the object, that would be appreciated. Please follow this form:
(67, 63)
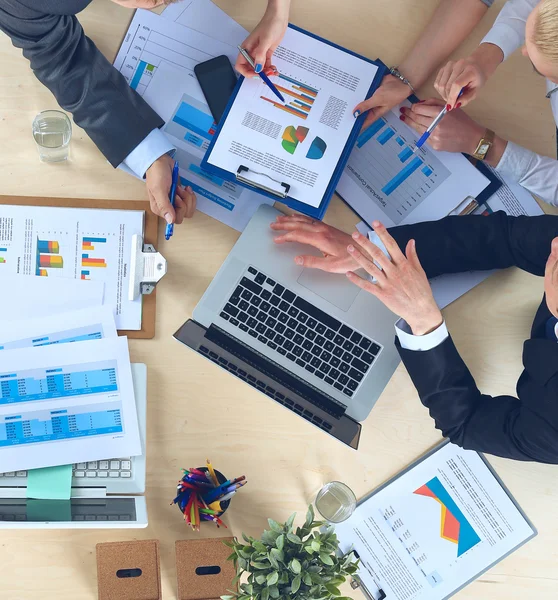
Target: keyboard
(113, 468)
(306, 335)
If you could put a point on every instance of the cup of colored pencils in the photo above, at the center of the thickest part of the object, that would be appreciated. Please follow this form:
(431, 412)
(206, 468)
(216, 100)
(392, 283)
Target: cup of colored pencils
(204, 494)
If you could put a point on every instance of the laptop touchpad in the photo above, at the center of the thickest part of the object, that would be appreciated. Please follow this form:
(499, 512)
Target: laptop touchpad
(333, 287)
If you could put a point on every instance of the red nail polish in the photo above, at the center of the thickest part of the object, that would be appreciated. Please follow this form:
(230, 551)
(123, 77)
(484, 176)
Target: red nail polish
(448, 107)
(420, 101)
(401, 110)
(458, 105)
(402, 118)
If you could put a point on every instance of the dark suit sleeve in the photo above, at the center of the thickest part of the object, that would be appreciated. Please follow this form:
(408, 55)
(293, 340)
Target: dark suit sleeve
(84, 83)
(477, 243)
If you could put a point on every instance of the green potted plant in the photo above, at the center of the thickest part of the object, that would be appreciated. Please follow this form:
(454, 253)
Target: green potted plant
(286, 564)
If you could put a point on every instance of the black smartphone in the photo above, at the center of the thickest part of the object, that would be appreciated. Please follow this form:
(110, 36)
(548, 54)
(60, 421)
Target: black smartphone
(217, 80)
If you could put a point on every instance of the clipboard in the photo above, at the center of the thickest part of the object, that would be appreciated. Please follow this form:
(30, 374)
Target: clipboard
(274, 188)
(357, 582)
(150, 234)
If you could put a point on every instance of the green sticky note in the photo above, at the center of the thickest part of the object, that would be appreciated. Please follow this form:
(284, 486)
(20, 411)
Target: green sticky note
(50, 483)
(49, 510)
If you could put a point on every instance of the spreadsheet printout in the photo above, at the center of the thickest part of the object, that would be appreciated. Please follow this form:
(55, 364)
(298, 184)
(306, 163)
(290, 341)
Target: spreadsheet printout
(71, 402)
(385, 180)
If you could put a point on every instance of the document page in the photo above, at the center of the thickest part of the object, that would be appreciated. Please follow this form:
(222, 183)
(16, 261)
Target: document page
(67, 403)
(385, 180)
(76, 243)
(300, 141)
(434, 529)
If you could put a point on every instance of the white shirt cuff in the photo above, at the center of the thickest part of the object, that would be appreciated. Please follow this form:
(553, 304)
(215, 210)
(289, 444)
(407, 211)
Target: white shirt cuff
(420, 343)
(556, 330)
(153, 146)
(507, 38)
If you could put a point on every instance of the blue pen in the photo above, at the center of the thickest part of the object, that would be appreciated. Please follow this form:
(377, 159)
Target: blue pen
(169, 230)
(264, 77)
(422, 139)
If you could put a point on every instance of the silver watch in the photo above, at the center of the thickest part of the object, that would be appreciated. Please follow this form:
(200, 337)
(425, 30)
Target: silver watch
(396, 73)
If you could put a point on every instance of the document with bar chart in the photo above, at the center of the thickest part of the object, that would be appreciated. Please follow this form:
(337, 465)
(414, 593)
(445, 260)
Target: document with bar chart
(384, 179)
(434, 528)
(66, 402)
(298, 142)
(86, 244)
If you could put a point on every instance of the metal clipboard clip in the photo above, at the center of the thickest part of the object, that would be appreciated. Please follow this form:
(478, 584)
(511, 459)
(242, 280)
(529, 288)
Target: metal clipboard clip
(356, 583)
(147, 268)
(262, 181)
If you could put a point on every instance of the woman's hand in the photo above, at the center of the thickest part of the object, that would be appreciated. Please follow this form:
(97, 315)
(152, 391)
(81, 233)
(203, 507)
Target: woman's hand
(456, 132)
(331, 242)
(551, 279)
(391, 92)
(263, 41)
(401, 283)
(468, 74)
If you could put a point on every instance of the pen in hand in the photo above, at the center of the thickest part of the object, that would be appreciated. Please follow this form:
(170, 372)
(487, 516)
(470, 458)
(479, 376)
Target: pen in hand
(263, 76)
(169, 229)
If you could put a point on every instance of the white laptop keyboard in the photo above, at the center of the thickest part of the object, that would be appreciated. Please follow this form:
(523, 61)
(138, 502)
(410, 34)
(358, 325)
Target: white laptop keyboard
(113, 468)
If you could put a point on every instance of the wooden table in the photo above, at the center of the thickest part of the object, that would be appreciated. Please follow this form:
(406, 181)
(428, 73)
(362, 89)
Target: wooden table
(196, 410)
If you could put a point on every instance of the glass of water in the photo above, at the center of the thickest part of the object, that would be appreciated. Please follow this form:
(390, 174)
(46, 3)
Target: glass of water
(52, 130)
(336, 502)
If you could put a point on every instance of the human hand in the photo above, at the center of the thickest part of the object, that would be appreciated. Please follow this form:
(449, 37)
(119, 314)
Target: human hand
(551, 279)
(263, 41)
(331, 242)
(158, 179)
(391, 92)
(456, 132)
(401, 283)
(467, 74)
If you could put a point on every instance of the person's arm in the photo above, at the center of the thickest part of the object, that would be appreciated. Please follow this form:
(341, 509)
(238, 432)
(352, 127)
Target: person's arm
(451, 23)
(471, 73)
(82, 80)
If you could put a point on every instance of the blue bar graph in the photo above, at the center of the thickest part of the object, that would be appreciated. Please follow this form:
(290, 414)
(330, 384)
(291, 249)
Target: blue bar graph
(427, 171)
(405, 154)
(138, 74)
(195, 120)
(369, 133)
(400, 141)
(93, 240)
(385, 136)
(404, 174)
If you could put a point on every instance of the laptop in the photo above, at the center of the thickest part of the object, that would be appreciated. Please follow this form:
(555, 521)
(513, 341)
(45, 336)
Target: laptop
(105, 493)
(310, 340)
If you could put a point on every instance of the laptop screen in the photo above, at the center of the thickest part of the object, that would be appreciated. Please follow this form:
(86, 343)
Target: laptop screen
(76, 509)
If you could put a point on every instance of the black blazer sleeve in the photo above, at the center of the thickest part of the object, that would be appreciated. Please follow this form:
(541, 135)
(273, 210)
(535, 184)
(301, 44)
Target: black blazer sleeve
(84, 83)
(477, 243)
(502, 425)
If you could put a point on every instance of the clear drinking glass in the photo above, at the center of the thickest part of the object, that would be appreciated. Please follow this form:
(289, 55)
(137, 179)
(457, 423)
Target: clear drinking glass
(336, 502)
(52, 131)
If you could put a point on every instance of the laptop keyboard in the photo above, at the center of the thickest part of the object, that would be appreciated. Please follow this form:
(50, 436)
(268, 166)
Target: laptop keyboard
(298, 330)
(113, 468)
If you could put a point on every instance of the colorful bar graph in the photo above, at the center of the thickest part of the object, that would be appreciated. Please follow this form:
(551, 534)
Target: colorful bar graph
(48, 247)
(404, 174)
(195, 120)
(2, 260)
(385, 136)
(302, 97)
(289, 109)
(369, 133)
(93, 262)
(300, 106)
(405, 154)
(87, 243)
(138, 74)
(400, 141)
(300, 86)
(42, 273)
(427, 171)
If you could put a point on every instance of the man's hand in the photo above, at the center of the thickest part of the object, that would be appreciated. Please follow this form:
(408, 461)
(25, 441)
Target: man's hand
(263, 41)
(331, 242)
(159, 180)
(391, 92)
(551, 279)
(401, 284)
(456, 132)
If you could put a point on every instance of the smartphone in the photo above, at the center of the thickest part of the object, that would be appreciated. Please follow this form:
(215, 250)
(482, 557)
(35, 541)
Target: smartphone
(217, 80)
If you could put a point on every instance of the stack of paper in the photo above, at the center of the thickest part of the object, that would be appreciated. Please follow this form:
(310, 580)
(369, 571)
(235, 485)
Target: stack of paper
(66, 392)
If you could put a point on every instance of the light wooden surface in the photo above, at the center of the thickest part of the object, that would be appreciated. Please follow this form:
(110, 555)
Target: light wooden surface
(196, 410)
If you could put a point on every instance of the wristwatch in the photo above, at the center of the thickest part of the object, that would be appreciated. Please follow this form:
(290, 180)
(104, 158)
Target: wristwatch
(396, 73)
(484, 145)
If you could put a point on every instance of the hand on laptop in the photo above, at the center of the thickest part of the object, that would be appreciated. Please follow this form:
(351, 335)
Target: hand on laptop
(401, 283)
(331, 242)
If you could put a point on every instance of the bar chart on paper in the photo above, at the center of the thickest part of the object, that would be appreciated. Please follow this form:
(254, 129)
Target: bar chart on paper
(299, 96)
(384, 165)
